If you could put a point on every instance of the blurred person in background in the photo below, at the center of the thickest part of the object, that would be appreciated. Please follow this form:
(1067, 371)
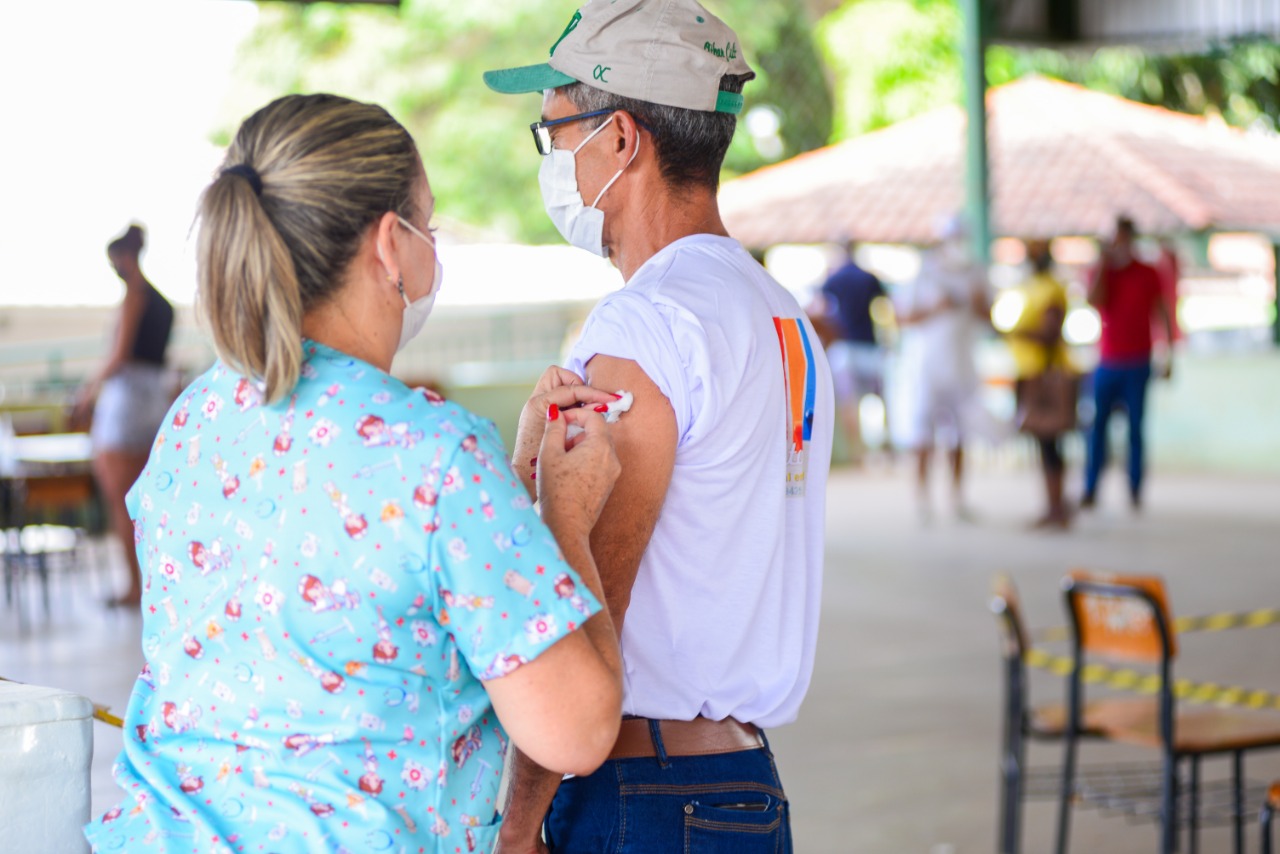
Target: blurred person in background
(128, 396)
(937, 385)
(1168, 267)
(733, 418)
(1046, 383)
(1128, 296)
(350, 602)
(856, 357)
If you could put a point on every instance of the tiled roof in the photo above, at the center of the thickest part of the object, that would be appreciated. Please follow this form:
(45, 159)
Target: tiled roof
(1063, 160)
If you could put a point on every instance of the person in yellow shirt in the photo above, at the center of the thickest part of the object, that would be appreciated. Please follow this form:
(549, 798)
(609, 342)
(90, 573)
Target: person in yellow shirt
(1046, 380)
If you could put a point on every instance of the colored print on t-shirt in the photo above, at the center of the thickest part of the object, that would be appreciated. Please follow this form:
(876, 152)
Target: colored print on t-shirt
(801, 386)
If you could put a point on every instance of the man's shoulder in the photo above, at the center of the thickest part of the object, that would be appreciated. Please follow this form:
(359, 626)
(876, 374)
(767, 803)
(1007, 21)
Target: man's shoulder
(690, 259)
(693, 272)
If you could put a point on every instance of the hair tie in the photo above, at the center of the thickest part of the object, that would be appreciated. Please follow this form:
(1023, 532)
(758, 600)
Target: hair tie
(247, 172)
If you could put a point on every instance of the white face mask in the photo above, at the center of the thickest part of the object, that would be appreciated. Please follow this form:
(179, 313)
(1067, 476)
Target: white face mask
(582, 226)
(417, 312)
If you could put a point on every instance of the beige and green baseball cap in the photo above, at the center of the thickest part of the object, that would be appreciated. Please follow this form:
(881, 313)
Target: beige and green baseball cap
(670, 52)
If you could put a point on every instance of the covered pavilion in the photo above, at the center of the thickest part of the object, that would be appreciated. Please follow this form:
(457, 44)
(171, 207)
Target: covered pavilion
(1064, 160)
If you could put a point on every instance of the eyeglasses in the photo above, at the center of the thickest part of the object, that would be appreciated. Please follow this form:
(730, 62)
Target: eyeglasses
(542, 130)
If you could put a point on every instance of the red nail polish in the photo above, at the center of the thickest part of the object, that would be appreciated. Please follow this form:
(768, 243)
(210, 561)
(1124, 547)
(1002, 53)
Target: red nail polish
(553, 412)
(533, 476)
(602, 408)
(616, 396)
(533, 463)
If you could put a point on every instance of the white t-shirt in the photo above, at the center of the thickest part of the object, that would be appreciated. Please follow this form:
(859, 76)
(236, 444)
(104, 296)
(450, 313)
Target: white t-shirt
(723, 618)
(937, 352)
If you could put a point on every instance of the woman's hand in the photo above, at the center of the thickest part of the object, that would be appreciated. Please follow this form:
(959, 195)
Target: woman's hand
(575, 476)
(565, 389)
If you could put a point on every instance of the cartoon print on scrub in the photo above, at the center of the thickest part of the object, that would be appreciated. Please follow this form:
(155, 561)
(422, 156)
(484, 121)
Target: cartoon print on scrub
(296, 626)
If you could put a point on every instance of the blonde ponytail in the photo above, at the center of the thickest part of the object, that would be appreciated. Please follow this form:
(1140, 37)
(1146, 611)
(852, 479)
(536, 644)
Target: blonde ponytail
(303, 180)
(248, 287)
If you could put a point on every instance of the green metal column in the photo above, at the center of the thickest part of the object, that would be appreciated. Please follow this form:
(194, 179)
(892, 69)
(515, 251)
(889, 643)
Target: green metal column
(1275, 322)
(973, 50)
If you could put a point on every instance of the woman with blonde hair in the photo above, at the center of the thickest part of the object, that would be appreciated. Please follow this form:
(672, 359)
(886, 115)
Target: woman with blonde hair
(350, 603)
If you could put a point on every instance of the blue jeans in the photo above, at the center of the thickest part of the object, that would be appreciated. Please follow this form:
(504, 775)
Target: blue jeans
(1124, 383)
(727, 803)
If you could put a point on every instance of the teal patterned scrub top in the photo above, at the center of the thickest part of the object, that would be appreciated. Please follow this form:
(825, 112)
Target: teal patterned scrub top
(327, 581)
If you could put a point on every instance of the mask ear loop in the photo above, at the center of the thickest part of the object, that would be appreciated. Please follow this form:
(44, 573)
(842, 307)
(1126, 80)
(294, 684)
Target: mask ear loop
(620, 171)
(592, 135)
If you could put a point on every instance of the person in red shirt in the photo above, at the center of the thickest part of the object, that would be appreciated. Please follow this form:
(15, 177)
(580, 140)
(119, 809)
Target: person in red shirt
(1127, 294)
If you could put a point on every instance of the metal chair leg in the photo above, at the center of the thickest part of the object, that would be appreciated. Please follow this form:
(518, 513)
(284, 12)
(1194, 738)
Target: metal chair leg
(1168, 806)
(1010, 801)
(1237, 798)
(1193, 820)
(1012, 760)
(42, 569)
(1019, 797)
(1066, 793)
(1264, 820)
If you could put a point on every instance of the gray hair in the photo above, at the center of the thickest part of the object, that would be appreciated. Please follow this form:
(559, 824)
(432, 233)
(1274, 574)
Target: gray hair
(690, 144)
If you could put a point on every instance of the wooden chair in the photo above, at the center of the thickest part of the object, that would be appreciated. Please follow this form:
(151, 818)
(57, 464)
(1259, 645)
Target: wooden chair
(1127, 619)
(1269, 808)
(36, 539)
(1022, 721)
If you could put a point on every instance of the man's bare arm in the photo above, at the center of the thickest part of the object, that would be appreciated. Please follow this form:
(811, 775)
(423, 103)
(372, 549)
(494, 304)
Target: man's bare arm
(1099, 284)
(1164, 312)
(645, 441)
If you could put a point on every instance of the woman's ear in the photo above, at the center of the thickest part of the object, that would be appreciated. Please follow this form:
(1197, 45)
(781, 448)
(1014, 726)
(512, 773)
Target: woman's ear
(386, 238)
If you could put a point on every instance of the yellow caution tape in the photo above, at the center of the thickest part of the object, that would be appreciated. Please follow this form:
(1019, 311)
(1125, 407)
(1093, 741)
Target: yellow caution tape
(1124, 679)
(1208, 623)
(100, 712)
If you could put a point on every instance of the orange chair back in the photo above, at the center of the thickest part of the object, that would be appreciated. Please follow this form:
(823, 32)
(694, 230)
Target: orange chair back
(1123, 627)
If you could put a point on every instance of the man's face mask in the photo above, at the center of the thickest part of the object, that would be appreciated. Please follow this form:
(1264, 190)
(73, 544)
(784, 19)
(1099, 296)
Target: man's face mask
(581, 226)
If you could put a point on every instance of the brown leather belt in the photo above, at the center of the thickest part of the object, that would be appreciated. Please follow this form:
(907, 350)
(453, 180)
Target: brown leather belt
(698, 737)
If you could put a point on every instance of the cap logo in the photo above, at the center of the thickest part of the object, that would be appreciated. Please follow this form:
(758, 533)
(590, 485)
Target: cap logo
(600, 71)
(573, 25)
(729, 51)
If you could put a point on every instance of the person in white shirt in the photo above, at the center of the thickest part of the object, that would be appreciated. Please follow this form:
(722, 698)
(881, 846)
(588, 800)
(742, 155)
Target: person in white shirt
(937, 381)
(711, 543)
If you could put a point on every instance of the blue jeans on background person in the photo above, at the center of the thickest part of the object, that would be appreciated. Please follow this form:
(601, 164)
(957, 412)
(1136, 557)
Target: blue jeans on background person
(725, 803)
(1124, 383)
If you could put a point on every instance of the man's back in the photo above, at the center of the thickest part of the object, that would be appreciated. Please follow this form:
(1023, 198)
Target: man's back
(724, 610)
(854, 289)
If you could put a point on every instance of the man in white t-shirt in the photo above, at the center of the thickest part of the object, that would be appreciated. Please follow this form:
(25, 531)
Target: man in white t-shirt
(710, 547)
(937, 387)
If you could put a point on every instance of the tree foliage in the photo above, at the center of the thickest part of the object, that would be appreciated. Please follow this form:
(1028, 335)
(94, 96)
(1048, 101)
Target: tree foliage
(827, 70)
(1240, 82)
(892, 59)
(424, 63)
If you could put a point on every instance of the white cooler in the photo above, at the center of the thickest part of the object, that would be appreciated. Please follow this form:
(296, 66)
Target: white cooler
(46, 744)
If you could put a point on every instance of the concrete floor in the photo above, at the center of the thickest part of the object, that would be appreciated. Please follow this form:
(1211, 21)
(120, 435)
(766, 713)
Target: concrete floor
(895, 750)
